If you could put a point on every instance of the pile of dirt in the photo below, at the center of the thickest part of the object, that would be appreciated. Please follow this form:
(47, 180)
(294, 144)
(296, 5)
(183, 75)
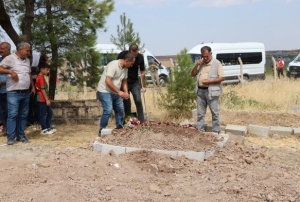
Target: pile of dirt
(163, 136)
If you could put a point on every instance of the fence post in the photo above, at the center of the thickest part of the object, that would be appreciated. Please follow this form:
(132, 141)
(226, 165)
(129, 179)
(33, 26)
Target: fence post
(241, 71)
(274, 68)
(172, 69)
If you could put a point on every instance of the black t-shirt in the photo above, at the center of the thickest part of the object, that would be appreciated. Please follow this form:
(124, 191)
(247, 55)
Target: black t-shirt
(133, 72)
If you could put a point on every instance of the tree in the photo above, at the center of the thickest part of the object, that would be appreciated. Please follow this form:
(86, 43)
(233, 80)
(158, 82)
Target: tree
(126, 35)
(59, 28)
(180, 96)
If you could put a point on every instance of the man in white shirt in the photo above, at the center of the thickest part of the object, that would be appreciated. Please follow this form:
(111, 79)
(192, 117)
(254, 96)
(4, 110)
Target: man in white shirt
(17, 68)
(112, 88)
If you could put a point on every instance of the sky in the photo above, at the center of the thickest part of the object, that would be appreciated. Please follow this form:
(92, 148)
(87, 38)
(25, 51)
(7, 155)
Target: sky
(168, 26)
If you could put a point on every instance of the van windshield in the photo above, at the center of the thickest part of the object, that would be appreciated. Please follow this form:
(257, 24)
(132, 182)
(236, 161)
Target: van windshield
(297, 59)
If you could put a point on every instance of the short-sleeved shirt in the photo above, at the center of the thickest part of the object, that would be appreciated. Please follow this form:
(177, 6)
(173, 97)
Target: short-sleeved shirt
(114, 71)
(21, 67)
(205, 71)
(39, 85)
(133, 72)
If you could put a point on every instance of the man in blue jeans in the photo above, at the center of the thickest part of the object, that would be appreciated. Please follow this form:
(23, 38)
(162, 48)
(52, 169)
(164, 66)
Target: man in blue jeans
(17, 68)
(133, 81)
(4, 52)
(112, 80)
(210, 74)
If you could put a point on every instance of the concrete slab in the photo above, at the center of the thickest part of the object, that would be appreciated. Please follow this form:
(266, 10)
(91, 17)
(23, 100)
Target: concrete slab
(106, 148)
(209, 153)
(236, 129)
(97, 146)
(225, 140)
(261, 131)
(192, 155)
(131, 149)
(106, 131)
(209, 128)
(172, 153)
(282, 131)
(296, 131)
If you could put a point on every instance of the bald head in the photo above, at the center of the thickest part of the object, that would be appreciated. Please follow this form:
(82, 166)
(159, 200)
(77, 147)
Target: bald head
(4, 49)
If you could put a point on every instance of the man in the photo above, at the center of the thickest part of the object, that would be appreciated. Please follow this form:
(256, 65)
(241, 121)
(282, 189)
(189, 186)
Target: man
(17, 68)
(133, 81)
(4, 52)
(154, 73)
(113, 79)
(280, 65)
(210, 74)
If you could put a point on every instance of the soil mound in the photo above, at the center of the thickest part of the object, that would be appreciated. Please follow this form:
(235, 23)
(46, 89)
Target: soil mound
(162, 136)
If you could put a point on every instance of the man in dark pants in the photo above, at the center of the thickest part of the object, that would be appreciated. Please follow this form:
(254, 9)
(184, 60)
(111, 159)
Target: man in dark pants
(133, 81)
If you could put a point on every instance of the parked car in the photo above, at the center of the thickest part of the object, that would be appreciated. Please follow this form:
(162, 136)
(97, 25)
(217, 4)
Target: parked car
(293, 68)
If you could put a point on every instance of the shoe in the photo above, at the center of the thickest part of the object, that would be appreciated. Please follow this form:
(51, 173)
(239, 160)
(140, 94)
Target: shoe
(24, 140)
(46, 132)
(10, 142)
(52, 129)
(119, 127)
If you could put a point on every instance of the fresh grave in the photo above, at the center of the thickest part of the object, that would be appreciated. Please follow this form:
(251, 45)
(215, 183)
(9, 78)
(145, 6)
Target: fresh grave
(163, 137)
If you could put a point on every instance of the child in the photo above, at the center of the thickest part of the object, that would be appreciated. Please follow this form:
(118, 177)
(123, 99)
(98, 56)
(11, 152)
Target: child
(44, 104)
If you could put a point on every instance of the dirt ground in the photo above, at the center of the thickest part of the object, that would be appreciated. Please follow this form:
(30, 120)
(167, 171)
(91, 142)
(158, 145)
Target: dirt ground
(63, 166)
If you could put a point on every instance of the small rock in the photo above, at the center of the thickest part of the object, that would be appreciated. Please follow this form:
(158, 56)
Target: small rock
(292, 199)
(270, 197)
(108, 188)
(248, 160)
(154, 188)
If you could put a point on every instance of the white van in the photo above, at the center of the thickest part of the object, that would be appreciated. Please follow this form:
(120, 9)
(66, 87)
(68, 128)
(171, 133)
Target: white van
(110, 52)
(252, 54)
(293, 69)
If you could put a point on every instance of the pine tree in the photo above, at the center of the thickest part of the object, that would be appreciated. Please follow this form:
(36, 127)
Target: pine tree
(126, 35)
(59, 28)
(180, 97)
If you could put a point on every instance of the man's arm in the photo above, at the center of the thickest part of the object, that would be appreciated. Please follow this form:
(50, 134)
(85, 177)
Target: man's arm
(48, 103)
(125, 88)
(109, 83)
(195, 69)
(217, 80)
(13, 74)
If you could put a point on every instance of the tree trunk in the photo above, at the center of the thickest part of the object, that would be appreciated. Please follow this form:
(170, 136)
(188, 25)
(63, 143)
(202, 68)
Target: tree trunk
(28, 20)
(6, 24)
(54, 50)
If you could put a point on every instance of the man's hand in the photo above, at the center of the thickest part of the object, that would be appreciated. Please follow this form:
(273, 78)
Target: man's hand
(126, 96)
(1, 83)
(32, 92)
(123, 95)
(14, 76)
(143, 90)
(206, 82)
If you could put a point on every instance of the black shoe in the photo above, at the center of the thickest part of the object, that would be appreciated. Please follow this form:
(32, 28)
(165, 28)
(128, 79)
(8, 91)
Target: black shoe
(10, 142)
(24, 140)
(119, 127)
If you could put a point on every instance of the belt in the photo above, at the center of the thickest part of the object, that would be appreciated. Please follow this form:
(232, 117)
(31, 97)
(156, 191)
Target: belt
(202, 87)
(20, 91)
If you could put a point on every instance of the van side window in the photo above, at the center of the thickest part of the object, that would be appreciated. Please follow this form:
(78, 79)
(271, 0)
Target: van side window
(247, 58)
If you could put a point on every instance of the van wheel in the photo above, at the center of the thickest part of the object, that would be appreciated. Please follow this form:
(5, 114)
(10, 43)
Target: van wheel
(246, 78)
(162, 80)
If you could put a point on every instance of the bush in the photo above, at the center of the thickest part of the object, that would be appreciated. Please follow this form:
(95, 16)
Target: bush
(180, 97)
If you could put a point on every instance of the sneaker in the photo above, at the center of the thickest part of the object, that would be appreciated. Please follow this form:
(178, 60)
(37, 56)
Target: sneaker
(46, 132)
(52, 129)
(24, 140)
(10, 142)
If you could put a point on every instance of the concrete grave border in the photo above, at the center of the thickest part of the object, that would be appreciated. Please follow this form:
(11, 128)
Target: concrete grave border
(106, 148)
